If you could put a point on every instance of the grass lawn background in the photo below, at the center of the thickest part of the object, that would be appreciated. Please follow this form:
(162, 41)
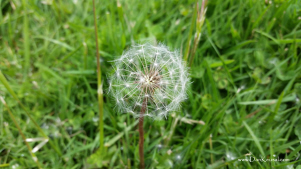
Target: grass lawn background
(244, 97)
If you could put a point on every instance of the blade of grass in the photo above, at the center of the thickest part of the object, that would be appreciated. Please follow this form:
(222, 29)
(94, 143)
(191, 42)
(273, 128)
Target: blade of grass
(57, 42)
(118, 136)
(69, 54)
(297, 150)
(51, 72)
(186, 54)
(287, 164)
(271, 148)
(121, 18)
(287, 145)
(210, 76)
(271, 101)
(254, 138)
(218, 64)
(268, 36)
(172, 129)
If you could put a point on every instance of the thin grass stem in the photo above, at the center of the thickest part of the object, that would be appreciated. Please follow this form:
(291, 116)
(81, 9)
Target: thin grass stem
(26, 40)
(211, 148)
(199, 24)
(99, 90)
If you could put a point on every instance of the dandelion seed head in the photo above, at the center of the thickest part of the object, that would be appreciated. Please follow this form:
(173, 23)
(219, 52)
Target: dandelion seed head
(151, 72)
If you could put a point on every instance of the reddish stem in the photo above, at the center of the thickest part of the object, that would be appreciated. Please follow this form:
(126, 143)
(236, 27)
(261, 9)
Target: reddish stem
(141, 135)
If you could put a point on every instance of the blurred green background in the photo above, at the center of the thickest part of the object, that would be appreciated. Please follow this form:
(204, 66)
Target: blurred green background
(244, 97)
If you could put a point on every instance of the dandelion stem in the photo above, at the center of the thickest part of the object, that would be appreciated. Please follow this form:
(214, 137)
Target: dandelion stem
(141, 135)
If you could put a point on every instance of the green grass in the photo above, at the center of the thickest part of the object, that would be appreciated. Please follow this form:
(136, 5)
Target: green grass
(246, 84)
